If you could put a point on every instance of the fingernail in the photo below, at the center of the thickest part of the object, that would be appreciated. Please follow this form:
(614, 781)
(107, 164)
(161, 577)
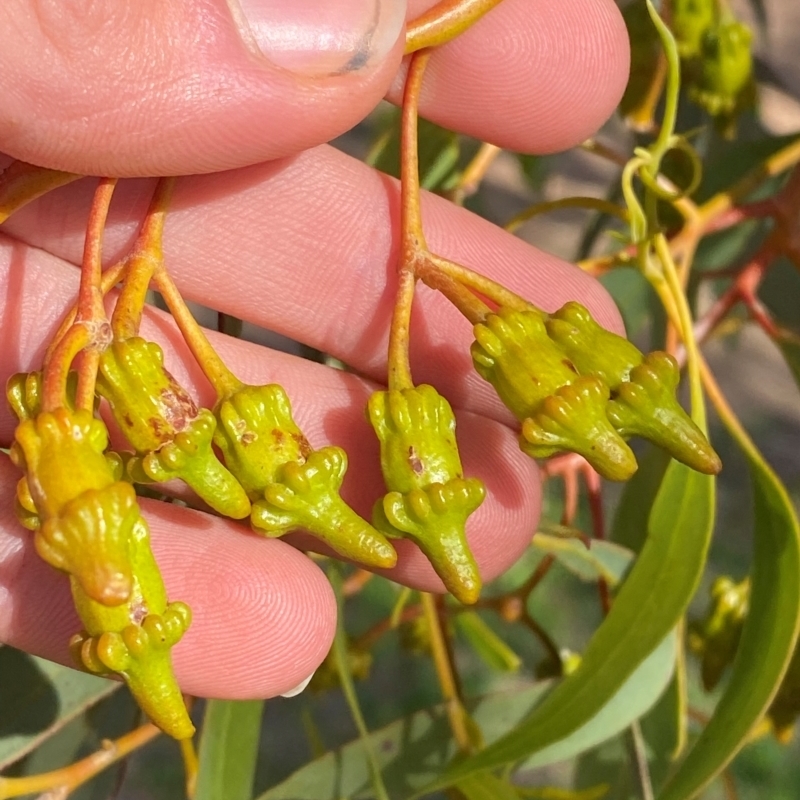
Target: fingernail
(299, 688)
(320, 37)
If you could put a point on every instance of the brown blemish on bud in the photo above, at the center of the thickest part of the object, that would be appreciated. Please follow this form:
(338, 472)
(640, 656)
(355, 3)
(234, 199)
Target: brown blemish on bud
(178, 408)
(138, 612)
(303, 445)
(569, 365)
(414, 461)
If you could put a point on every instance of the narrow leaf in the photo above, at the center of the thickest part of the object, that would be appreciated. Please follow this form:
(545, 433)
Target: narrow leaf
(633, 699)
(494, 652)
(767, 642)
(650, 604)
(411, 751)
(414, 750)
(600, 559)
(630, 521)
(229, 749)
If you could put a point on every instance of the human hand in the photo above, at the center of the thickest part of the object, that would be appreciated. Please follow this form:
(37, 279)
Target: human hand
(301, 241)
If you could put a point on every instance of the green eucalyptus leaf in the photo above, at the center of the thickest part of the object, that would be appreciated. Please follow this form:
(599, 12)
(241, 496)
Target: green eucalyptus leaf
(600, 559)
(633, 699)
(767, 642)
(649, 605)
(413, 751)
(38, 698)
(229, 749)
(630, 521)
(494, 652)
(410, 751)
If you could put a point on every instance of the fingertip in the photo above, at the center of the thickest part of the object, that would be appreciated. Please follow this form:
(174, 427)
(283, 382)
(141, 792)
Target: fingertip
(531, 76)
(264, 616)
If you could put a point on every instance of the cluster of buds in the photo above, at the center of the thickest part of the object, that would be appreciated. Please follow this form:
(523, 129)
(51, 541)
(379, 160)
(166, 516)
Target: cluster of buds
(577, 387)
(573, 385)
(428, 499)
(716, 50)
(290, 485)
(88, 524)
(715, 639)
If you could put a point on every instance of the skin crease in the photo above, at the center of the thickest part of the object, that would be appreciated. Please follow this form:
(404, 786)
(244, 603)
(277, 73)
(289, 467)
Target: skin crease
(307, 246)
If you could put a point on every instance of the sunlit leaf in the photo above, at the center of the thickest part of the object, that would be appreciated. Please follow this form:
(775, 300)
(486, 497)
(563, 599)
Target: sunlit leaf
(649, 605)
(767, 640)
(229, 749)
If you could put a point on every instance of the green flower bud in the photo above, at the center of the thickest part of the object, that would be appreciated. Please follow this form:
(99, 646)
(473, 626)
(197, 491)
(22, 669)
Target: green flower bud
(90, 540)
(82, 518)
(690, 21)
(161, 421)
(574, 419)
(646, 406)
(191, 458)
(24, 393)
(257, 435)
(134, 639)
(148, 404)
(514, 353)
(434, 518)
(429, 500)
(306, 496)
(726, 67)
(90, 526)
(61, 453)
(417, 432)
(140, 652)
(716, 638)
(590, 347)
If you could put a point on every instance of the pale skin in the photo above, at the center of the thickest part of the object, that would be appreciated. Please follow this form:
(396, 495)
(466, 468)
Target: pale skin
(305, 245)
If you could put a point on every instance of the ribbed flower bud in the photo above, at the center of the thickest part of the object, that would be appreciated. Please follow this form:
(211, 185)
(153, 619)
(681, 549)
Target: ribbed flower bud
(534, 376)
(716, 638)
(292, 486)
(646, 406)
(172, 437)
(90, 527)
(429, 500)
